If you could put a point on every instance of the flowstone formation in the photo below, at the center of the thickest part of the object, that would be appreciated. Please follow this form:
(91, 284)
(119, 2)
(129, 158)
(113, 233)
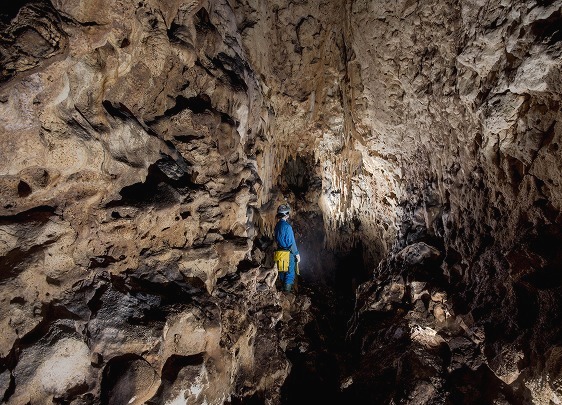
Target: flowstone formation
(145, 146)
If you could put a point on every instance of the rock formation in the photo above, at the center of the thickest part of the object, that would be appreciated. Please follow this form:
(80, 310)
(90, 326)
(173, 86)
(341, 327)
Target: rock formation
(146, 145)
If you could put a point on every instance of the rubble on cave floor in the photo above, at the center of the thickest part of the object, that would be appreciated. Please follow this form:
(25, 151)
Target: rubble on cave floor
(399, 340)
(316, 347)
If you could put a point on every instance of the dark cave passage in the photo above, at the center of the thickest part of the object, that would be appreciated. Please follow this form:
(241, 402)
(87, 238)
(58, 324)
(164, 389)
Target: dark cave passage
(319, 356)
(316, 348)
(328, 278)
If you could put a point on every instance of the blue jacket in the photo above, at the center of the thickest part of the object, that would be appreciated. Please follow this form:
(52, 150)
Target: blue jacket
(285, 237)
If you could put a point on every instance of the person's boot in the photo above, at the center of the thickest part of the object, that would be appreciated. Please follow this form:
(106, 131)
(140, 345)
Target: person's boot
(288, 288)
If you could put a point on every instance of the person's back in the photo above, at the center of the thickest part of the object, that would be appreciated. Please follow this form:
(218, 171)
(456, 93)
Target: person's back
(284, 235)
(287, 253)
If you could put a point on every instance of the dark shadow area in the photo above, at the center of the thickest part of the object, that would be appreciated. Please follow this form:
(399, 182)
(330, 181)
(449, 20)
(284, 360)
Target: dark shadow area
(163, 186)
(329, 279)
(198, 104)
(546, 243)
(480, 386)
(233, 69)
(114, 388)
(318, 265)
(350, 272)
(548, 30)
(16, 260)
(257, 399)
(10, 9)
(175, 363)
(318, 363)
(298, 175)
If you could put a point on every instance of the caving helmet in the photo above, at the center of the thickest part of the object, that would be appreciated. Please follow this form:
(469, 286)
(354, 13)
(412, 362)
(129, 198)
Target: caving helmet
(283, 210)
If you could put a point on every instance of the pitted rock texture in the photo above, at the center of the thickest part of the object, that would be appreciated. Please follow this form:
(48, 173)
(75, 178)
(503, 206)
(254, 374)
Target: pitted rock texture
(125, 234)
(146, 145)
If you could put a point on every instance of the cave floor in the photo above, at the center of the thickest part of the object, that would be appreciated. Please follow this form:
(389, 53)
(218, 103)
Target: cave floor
(318, 353)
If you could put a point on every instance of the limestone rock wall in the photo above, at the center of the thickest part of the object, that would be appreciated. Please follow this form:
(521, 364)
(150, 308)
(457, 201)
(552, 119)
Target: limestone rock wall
(461, 102)
(128, 176)
(146, 145)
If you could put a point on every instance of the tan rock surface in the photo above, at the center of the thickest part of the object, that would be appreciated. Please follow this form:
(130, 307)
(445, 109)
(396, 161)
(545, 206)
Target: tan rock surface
(144, 147)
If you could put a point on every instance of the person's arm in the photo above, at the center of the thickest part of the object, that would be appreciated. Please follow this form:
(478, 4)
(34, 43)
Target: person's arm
(294, 250)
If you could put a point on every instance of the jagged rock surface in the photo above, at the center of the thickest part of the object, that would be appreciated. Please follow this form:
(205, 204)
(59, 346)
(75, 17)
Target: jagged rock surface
(125, 255)
(146, 145)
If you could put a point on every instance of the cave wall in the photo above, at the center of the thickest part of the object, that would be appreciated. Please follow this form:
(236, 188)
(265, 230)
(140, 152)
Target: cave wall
(128, 181)
(469, 110)
(461, 102)
(145, 145)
